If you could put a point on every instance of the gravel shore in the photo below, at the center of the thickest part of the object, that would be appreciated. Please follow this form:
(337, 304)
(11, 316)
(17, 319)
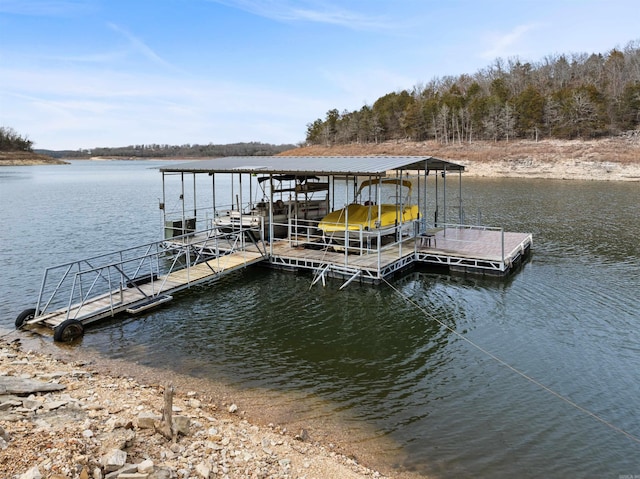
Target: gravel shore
(27, 158)
(63, 419)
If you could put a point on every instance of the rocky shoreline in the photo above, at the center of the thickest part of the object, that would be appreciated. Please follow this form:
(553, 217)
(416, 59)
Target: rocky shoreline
(27, 158)
(581, 170)
(64, 419)
(608, 159)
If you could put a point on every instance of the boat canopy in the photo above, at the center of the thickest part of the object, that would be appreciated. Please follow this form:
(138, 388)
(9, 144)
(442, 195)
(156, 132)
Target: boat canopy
(378, 166)
(394, 182)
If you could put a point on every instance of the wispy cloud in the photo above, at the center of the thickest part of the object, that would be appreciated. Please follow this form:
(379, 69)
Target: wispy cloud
(506, 44)
(139, 46)
(95, 58)
(69, 108)
(310, 11)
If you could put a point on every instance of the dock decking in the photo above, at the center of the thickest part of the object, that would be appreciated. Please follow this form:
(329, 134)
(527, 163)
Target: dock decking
(478, 251)
(139, 297)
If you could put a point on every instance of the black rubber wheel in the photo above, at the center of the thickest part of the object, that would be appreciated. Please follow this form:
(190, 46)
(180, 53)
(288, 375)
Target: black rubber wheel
(68, 330)
(26, 315)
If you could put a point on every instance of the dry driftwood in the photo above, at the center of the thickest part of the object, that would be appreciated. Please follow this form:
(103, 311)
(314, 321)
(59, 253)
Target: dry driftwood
(166, 424)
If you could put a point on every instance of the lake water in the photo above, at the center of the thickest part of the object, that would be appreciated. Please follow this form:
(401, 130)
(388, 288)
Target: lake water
(387, 370)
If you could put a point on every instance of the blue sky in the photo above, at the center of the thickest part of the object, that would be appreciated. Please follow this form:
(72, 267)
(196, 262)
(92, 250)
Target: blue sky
(90, 73)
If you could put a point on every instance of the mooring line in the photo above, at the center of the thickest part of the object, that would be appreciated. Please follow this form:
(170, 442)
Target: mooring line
(514, 369)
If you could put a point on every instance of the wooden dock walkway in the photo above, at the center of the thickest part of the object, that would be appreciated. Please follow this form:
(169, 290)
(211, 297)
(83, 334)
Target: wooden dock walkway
(140, 297)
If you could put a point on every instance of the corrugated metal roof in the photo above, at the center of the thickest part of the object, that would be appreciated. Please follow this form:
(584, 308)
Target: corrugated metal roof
(313, 165)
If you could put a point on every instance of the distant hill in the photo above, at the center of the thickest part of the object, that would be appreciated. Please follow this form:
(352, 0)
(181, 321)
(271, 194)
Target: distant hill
(76, 154)
(173, 151)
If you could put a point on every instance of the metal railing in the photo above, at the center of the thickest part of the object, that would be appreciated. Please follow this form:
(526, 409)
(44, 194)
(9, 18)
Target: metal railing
(356, 241)
(71, 286)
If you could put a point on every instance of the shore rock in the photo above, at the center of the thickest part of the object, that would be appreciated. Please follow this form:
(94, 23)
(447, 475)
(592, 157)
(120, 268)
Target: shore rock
(90, 425)
(20, 386)
(114, 460)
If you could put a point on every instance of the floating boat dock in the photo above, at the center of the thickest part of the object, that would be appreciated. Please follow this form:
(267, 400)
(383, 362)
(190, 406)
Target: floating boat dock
(438, 237)
(266, 220)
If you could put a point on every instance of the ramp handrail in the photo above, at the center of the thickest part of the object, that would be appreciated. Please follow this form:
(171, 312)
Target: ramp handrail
(113, 258)
(76, 283)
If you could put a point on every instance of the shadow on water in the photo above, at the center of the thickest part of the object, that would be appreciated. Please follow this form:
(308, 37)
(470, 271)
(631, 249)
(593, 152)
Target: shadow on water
(266, 329)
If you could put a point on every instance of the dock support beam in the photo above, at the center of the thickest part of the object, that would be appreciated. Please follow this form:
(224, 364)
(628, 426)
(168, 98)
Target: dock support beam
(350, 279)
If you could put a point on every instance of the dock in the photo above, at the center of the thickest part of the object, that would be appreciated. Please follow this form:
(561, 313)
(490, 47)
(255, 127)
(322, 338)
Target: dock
(283, 229)
(132, 281)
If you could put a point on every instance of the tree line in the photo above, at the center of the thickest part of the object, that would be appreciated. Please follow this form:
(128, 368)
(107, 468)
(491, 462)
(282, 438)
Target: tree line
(178, 151)
(11, 140)
(563, 96)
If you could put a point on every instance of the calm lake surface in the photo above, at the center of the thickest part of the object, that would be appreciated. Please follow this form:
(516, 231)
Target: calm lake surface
(568, 319)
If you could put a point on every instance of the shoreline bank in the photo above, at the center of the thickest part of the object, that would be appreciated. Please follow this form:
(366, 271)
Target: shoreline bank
(610, 159)
(574, 170)
(27, 158)
(255, 434)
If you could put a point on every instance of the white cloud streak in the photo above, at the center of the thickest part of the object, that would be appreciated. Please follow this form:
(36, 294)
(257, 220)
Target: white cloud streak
(139, 46)
(507, 44)
(309, 11)
(77, 109)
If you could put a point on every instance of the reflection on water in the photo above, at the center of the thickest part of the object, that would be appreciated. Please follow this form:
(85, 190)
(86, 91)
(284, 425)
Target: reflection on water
(568, 319)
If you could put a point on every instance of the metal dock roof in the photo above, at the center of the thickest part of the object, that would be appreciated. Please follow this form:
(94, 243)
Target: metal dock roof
(313, 165)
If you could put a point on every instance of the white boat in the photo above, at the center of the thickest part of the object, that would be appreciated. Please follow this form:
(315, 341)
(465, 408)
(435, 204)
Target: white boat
(296, 199)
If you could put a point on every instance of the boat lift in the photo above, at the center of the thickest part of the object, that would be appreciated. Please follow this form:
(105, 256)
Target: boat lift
(134, 280)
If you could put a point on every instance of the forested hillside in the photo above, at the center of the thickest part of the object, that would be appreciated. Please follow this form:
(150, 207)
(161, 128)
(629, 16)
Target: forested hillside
(563, 97)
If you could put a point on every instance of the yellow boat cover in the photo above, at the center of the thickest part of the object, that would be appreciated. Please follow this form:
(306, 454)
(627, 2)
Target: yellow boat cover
(365, 217)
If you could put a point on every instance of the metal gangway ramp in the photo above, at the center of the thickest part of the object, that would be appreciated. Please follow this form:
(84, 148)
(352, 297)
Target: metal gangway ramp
(135, 279)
